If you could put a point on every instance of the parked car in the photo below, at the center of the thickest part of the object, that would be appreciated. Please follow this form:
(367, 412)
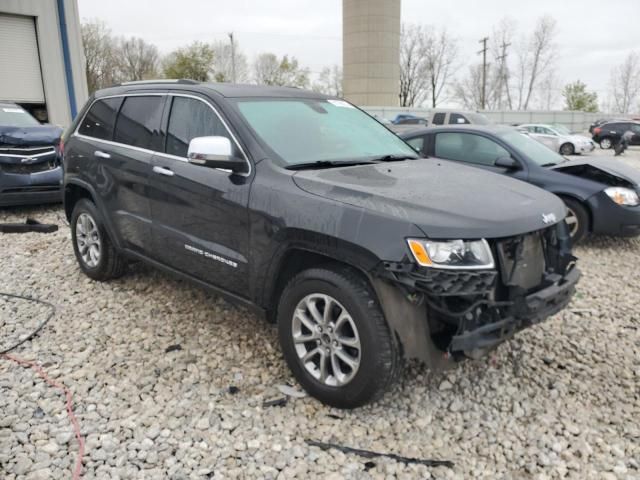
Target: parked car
(601, 195)
(602, 121)
(568, 143)
(609, 134)
(307, 210)
(30, 168)
(407, 119)
(457, 117)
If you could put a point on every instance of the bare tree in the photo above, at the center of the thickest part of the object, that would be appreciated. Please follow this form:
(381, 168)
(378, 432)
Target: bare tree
(226, 59)
(137, 59)
(625, 83)
(468, 91)
(269, 70)
(440, 52)
(413, 75)
(535, 58)
(498, 85)
(100, 55)
(329, 81)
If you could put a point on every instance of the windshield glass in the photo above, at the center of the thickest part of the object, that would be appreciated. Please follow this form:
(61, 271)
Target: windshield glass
(479, 119)
(301, 130)
(562, 130)
(14, 116)
(533, 149)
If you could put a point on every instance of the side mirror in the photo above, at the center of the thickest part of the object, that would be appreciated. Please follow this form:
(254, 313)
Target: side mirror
(509, 163)
(215, 152)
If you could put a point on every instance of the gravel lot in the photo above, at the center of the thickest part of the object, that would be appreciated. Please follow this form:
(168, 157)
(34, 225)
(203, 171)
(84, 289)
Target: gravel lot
(562, 400)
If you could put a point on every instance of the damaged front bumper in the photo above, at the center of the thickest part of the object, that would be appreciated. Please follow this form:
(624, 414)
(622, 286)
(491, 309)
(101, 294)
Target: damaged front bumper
(453, 314)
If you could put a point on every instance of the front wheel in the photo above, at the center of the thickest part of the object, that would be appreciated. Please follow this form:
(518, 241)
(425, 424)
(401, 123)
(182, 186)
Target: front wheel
(335, 339)
(577, 220)
(605, 143)
(567, 149)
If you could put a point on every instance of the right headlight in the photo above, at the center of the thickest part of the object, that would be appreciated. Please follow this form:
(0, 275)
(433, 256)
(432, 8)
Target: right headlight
(623, 196)
(452, 254)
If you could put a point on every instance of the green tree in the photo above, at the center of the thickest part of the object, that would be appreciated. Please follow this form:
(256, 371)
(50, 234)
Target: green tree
(576, 97)
(270, 70)
(194, 61)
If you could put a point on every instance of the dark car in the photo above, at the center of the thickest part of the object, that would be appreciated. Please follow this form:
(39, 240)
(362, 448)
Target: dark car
(30, 167)
(409, 119)
(601, 195)
(609, 134)
(310, 212)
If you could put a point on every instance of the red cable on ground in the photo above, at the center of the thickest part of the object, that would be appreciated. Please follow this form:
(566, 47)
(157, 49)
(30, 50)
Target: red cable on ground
(72, 418)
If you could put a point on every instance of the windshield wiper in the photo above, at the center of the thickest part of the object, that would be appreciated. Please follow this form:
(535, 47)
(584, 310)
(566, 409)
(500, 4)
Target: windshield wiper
(394, 158)
(327, 164)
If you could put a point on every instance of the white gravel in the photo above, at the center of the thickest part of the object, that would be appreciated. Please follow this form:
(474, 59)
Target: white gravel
(560, 401)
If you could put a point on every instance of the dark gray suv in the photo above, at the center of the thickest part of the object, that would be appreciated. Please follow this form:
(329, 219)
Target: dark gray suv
(310, 212)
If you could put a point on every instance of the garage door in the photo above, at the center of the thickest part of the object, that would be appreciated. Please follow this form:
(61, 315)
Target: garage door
(20, 77)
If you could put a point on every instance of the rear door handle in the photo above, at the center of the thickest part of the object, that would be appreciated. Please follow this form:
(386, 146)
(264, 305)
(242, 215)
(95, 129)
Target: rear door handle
(101, 154)
(163, 171)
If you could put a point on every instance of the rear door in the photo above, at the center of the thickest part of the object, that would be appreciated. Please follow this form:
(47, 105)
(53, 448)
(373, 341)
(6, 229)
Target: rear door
(200, 218)
(635, 128)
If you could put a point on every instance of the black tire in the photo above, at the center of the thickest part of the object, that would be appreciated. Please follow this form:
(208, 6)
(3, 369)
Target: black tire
(380, 360)
(567, 149)
(110, 264)
(605, 143)
(581, 215)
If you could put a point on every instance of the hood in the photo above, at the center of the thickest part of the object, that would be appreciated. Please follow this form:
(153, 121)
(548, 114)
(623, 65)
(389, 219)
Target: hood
(444, 199)
(610, 171)
(30, 136)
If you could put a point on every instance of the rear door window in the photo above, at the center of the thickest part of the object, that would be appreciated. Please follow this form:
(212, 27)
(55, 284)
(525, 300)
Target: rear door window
(417, 143)
(191, 118)
(100, 119)
(458, 119)
(468, 147)
(138, 122)
(438, 118)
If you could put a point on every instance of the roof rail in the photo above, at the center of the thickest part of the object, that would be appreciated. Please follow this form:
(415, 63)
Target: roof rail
(185, 81)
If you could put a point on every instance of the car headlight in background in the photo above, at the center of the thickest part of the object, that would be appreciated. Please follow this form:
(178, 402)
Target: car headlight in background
(452, 254)
(623, 196)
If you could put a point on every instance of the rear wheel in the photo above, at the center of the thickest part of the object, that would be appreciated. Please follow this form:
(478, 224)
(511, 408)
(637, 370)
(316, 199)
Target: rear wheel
(96, 254)
(577, 220)
(567, 149)
(335, 339)
(605, 143)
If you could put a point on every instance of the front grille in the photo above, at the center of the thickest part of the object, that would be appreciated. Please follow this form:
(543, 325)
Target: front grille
(27, 168)
(452, 282)
(27, 151)
(522, 260)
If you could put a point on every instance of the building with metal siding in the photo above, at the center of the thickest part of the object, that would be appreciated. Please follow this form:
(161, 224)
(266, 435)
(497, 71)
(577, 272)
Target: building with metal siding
(41, 59)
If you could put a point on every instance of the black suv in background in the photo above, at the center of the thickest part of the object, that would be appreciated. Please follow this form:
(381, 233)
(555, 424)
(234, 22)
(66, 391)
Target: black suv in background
(311, 212)
(609, 134)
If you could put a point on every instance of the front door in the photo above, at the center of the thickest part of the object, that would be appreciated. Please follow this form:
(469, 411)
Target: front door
(200, 217)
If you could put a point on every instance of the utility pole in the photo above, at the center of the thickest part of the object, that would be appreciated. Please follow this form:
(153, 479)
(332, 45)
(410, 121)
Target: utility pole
(233, 58)
(483, 99)
(504, 74)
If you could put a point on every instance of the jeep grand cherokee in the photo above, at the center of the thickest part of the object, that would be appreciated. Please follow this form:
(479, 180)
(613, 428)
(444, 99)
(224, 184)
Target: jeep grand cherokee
(311, 212)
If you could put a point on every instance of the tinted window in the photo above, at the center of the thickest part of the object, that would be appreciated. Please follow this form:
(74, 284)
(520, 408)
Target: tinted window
(416, 143)
(458, 119)
(467, 147)
(138, 122)
(191, 118)
(99, 120)
(635, 128)
(438, 118)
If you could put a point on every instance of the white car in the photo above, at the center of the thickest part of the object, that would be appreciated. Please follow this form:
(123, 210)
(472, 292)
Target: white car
(559, 136)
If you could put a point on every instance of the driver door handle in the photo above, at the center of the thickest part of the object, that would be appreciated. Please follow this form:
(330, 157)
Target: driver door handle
(163, 171)
(101, 154)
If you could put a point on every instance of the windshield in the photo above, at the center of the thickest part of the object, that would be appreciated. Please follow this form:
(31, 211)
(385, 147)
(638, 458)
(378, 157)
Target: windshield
(562, 130)
(301, 130)
(14, 116)
(533, 149)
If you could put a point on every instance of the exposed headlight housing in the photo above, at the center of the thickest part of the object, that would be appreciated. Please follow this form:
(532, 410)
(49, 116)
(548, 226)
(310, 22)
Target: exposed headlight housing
(452, 254)
(623, 196)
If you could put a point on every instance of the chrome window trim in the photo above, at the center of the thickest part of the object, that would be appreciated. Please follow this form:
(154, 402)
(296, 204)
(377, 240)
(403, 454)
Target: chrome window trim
(163, 154)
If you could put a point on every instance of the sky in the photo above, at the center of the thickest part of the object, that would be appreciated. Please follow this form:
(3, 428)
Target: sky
(592, 38)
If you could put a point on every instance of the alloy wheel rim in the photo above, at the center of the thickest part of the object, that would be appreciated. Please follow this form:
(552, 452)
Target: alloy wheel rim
(606, 143)
(572, 222)
(88, 240)
(326, 339)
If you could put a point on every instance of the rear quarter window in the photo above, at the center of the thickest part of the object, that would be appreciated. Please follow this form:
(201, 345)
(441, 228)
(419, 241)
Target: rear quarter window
(100, 119)
(438, 118)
